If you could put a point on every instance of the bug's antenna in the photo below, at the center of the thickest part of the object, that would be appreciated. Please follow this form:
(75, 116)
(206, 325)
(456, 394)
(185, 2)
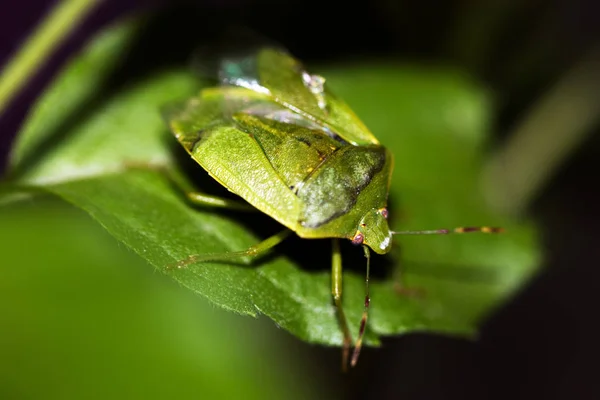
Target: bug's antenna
(363, 321)
(467, 229)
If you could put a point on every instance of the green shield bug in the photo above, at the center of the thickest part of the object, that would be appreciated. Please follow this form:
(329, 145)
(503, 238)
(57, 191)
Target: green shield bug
(276, 136)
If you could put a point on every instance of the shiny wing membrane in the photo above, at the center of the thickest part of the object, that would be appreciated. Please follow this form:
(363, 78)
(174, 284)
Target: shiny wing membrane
(273, 72)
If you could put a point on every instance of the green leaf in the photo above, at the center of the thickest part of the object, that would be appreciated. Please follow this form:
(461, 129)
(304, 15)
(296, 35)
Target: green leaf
(85, 318)
(62, 105)
(434, 121)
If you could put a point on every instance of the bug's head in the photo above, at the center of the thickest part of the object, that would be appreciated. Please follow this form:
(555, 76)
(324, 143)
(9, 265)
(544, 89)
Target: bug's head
(373, 231)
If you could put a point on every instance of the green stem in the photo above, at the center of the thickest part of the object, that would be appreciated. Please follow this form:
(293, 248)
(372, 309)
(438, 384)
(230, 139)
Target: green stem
(46, 38)
(558, 125)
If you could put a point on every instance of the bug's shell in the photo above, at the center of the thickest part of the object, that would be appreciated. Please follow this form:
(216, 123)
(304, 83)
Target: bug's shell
(290, 165)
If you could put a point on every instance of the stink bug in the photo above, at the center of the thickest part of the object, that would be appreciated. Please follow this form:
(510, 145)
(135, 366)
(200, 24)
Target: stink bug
(276, 136)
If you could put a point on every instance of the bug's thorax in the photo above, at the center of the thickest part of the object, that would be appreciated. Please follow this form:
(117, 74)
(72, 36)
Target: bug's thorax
(373, 231)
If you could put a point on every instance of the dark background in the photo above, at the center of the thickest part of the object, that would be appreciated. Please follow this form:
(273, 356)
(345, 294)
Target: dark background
(543, 344)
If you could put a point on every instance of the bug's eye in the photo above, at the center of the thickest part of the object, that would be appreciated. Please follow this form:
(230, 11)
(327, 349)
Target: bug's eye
(358, 238)
(384, 212)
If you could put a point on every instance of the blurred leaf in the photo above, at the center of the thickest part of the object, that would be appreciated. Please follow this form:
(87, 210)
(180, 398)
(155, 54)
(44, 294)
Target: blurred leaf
(83, 317)
(434, 121)
(62, 104)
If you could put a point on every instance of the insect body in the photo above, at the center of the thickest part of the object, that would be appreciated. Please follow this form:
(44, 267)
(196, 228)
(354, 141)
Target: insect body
(276, 136)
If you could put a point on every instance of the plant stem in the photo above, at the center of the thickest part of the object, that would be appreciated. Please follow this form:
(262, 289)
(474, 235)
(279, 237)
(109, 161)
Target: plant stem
(61, 20)
(553, 130)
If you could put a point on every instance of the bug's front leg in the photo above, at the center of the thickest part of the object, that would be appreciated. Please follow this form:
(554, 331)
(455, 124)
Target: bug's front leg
(336, 291)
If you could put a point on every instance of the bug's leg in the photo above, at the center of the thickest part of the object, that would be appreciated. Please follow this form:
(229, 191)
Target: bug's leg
(336, 291)
(195, 197)
(203, 199)
(363, 321)
(253, 252)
